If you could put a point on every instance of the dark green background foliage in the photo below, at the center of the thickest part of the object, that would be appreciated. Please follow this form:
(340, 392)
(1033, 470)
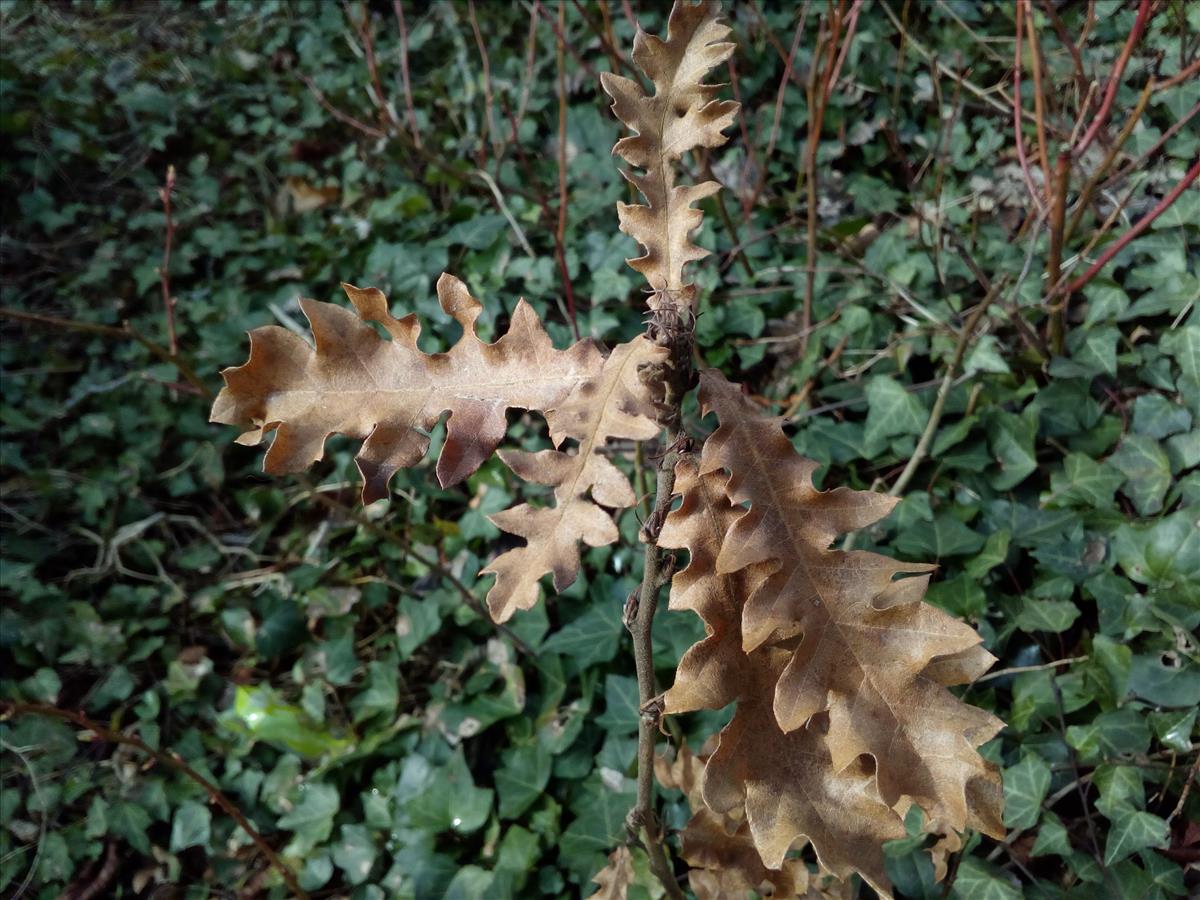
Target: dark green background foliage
(341, 693)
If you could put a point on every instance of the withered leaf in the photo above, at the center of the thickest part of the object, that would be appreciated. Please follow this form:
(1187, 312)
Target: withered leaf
(390, 393)
(679, 116)
(615, 878)
(859, 640)
(784, 784)
(719, 847)
(612, 404)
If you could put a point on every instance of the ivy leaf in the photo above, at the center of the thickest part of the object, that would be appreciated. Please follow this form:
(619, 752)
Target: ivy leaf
(312, 818)
(891, 411)
(1025, 787)
(1147, 472)
(1132, 832)
(192, 826)
(1084, 480)
(522, 777)
(1157, 417)
(355, 853)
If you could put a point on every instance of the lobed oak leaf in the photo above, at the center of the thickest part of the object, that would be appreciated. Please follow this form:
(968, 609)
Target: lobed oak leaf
(615, 879)
(390, 393)
(681, 115)
(614, 404)
(858, 641)
(720, 848)
(783, 784)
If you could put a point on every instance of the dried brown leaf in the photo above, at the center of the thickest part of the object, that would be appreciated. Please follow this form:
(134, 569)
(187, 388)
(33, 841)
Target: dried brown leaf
(390, 393)
(859, 640)
(719, 847)
(784, 784)
(616, 877)
(681, 115)
(613, 404)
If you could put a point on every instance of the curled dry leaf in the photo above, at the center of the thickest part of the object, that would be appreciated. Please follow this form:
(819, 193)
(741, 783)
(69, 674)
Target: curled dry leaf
(616, 877)
(390, 393)
(612, 404)
(858, 641)
(783, 784)
(720, 848)
(681, 115)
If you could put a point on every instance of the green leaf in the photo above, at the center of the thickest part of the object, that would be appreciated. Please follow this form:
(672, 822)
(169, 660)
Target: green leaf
(522, 777)
(1052, 837)
(944, 536)
(1157, 417)
(591, 638)
(892, 411)
(1132, 832)
(1165, 685)
(355, 853)
(1147, 472)
(1046, 615)
(621, 704)
(1121, 790)
(961, 595)
(994, 552)
(1166, 552)
(192, 826)
(312, 818)
(1025, 787)
(977, 880)
(1011, 441)
(257, 709)
(450, 800)
(1124, 731)
(1184, 345)
(1174, 728)
(131, 822)
(382, 693)
(1083, 480)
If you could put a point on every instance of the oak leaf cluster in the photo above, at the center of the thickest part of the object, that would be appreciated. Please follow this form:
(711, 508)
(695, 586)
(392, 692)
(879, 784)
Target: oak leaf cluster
(838, 671)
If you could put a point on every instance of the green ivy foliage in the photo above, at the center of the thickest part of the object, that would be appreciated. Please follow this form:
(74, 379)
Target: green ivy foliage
(339, 690)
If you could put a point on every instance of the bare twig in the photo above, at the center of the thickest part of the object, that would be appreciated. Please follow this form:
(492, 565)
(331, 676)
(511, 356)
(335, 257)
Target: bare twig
(171, 760)
(1145, 11)
(560, 230)
(164, 271)
(1056, 327)
(123, 332)
(405, 81)
(1142, 224)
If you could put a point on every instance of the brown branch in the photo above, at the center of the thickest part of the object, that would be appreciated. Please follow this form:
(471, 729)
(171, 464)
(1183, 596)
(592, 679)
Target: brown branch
(560, 230)
(1056, 327)
(1016, 109)
(489, 125)
(1178, 77)
(1089, 186)
(171, 760)
(1145, 11)
(164, 271)
(1065, 39)
(414, 131)
(1039, 97)
(122, 332)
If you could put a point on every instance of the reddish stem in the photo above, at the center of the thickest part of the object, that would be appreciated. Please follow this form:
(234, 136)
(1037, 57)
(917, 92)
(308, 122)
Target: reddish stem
(1145, 11)
(1118, 245)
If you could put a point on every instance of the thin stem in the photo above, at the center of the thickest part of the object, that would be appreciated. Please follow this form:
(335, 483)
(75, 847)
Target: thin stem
(164, 272)
(1039, 97)
(1145, 11)
(1016, 109)
(172, 760)
(415, 132)
(1142, 224)
(1058, 206)
(123, 332)
(644, 815)
(560, 230)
